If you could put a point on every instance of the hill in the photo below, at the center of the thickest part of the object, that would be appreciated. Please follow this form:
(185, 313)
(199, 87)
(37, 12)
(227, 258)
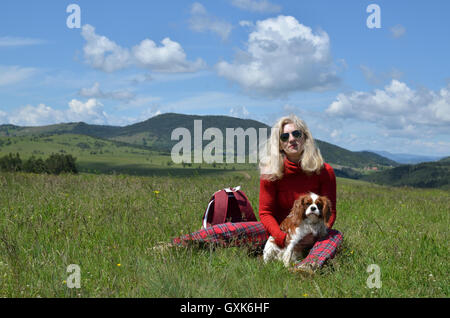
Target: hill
(405, 158)
(354, 159)
(155, 134)
(422, 175)
(103, 156)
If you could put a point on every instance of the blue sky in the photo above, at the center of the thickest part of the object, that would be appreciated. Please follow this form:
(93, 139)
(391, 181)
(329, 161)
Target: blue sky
(361, 88)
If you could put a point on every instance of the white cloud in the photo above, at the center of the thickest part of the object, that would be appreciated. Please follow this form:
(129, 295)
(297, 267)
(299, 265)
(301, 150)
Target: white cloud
(36, 116)
(378, 78)
(14, 74)
(239, 112)
(141, 78)
(335, 133)
(398, 31)
(93, 91)
(89, 111)
(104, 54)
(282, 56)
(149, 112)
(245, 23)
(11, 41)
(202, 21)
(96, 92)
(168, 58)
(397, 107)
(3, 117)
(261, 6)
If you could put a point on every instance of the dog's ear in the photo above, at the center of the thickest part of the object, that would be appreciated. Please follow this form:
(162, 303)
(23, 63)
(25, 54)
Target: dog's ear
(326, 209)
(294, 218)
(302, 205)
(298, 204)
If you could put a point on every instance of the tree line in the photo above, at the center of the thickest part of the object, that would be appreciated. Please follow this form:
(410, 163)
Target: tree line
(54, 164)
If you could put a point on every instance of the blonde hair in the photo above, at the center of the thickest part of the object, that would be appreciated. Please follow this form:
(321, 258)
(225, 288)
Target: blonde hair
(271, 164)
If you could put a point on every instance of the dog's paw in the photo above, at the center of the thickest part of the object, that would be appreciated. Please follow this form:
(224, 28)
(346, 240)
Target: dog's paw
(287, 259)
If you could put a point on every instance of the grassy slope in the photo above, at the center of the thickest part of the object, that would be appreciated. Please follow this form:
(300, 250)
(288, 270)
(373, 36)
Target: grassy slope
(422, 175)
(104, 156)
(99, 221)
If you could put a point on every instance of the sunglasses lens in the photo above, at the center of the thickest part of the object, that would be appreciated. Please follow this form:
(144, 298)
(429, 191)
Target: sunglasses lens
(284, 137)
(297, 133)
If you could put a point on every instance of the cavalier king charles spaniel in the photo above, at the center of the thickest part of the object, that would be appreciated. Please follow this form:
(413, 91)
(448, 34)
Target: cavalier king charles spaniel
(310, 214)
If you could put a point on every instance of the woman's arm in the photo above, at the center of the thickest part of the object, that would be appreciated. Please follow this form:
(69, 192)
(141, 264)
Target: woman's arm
(328, 189)
(267, 208)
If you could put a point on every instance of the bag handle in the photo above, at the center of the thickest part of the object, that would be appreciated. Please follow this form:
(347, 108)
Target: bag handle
(205, 217)
(220, 204)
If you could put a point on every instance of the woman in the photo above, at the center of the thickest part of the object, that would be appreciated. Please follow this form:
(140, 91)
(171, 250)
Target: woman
(291, 165)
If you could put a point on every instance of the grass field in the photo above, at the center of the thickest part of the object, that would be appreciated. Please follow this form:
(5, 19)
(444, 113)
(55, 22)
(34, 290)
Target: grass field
(100, 156)
(107, 225)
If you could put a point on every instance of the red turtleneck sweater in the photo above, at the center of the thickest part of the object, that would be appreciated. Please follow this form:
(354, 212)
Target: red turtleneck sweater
(277, 197)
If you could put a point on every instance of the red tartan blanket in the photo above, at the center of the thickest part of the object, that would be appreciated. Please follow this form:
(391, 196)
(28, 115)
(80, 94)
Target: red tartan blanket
(253, 234)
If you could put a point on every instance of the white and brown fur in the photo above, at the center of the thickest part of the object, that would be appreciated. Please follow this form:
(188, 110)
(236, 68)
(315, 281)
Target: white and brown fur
(310, 214)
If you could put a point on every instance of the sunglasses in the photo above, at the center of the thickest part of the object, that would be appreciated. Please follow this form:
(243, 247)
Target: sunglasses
(296, 134)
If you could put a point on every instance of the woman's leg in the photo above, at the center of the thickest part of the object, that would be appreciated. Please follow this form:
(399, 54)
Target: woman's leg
(322, 250)
(227, 234)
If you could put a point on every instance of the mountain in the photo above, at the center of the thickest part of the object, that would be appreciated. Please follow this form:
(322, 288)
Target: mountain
(407, 158)
(355, 159)
(81, 128)
(423, 175)
(155, 134)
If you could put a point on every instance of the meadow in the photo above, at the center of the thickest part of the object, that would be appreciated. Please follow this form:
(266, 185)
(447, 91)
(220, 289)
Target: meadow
(108, 224)
(101, 156)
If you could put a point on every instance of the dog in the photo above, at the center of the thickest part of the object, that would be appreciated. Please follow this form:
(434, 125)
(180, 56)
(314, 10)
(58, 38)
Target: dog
(309, 214)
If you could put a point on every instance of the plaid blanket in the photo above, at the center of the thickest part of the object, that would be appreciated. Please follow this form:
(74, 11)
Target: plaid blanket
(228, 234)
(322, 250)
(254, 235)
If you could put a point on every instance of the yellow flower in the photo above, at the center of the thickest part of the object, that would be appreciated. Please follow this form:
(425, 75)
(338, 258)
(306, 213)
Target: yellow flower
(119, 265)
(64, 282)
(305, 295)
(156, 192)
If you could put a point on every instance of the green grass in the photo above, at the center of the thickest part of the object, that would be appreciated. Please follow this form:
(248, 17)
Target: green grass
(99, 221)
(102, 156)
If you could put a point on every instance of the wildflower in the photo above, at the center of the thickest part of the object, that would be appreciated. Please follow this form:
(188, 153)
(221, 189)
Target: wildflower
(305, 295)
(64, 282)
(118, 265)
(156, 192)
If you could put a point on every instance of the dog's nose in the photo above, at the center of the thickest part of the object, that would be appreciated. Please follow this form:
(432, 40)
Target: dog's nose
(313, 208)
